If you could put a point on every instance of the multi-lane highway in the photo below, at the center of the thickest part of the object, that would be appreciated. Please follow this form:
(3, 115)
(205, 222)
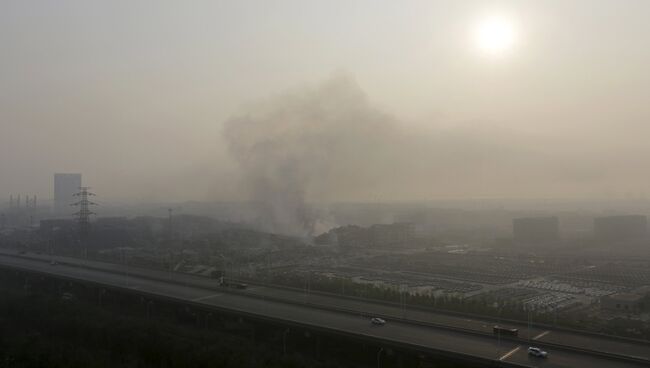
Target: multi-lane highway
(437, 332)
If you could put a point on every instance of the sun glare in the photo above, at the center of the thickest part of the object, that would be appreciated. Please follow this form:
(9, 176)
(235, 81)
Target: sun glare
(495, 35)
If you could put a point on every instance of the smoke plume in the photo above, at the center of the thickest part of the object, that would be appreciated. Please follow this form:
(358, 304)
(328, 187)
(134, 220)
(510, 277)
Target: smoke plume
(328, 143)
(291, 147)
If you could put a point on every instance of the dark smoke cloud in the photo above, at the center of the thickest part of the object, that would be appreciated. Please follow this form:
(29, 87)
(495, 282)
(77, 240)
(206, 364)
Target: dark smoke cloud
(290, 147)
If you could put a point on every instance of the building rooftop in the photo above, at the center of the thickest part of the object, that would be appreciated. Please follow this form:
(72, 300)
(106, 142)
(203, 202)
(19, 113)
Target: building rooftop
(643, 290)
(626, 297)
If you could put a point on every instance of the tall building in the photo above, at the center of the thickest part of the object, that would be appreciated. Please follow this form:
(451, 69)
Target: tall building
(65, 186)
(621, 228)
(536, 230)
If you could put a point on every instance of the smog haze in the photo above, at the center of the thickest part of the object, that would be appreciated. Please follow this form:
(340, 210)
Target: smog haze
(356, 100)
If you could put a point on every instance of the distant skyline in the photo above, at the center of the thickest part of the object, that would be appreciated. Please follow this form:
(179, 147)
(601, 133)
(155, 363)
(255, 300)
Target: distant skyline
(138, 95)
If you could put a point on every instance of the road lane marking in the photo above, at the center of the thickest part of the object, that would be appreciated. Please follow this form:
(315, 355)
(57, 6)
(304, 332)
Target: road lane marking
(205, 297)
(508, 354)
(541, 335)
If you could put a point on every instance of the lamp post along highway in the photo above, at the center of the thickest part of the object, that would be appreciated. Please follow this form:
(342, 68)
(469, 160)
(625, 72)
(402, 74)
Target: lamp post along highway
(284, 341)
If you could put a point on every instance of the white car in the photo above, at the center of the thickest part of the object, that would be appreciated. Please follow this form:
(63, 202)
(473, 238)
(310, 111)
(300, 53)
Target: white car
(537, 352)
(378, 321)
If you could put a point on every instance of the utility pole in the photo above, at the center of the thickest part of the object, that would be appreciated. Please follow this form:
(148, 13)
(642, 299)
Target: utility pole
(530, 322)
(83, 215)
(169, 223)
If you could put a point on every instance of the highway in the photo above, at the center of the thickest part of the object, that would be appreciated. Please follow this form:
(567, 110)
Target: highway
(538, 334)
(267, 302)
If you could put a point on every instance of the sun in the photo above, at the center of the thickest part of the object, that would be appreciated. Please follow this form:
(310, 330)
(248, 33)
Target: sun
(495, 35)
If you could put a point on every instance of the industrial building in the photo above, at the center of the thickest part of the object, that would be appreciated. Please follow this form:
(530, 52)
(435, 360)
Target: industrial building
(536, 230)
(622, 302)
(621, 228)
(65, 186)
(399, 234)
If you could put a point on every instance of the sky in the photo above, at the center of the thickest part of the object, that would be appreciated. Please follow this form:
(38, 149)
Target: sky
(143, 98)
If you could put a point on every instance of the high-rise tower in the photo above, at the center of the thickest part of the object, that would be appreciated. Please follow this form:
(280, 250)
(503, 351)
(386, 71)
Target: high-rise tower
(65, 186)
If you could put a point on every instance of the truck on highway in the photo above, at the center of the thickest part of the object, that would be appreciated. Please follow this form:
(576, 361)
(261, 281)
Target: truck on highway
(232, 284)
(505, 330)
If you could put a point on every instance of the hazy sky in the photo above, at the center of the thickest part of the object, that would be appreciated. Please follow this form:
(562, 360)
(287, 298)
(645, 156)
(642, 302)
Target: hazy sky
(135, 94)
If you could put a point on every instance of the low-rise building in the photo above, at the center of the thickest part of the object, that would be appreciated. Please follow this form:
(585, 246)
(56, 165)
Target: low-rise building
(376, 236)
(621, 228)
(622, 302)
(535, 230)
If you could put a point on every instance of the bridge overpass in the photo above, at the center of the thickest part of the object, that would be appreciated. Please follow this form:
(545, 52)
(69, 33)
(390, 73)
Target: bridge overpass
(466, 338)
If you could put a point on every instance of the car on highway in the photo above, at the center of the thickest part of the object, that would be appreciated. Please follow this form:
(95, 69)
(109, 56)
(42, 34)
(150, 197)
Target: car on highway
(537, 352)
(54, 263)
(378, 321)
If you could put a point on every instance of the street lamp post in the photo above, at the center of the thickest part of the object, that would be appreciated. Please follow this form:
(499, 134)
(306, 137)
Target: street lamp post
(207, 319)
(101, 293)
(149, 304)
(284, 341)
(403, 289)
(223, 274)
(126, 267)
(530, 322)
(498, 330)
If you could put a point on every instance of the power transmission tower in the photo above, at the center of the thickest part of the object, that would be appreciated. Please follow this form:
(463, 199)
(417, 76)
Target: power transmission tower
(83, 215)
